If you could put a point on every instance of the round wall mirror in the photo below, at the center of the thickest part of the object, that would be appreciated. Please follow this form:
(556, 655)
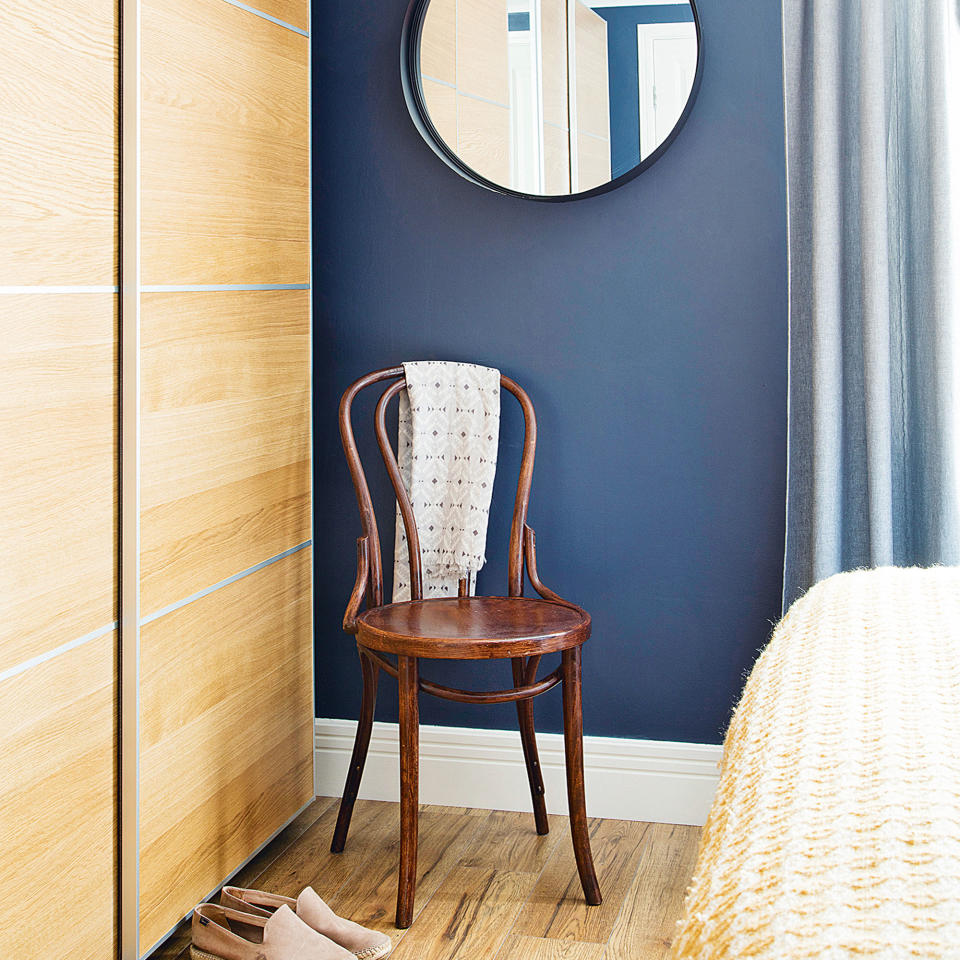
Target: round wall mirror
(550, 99)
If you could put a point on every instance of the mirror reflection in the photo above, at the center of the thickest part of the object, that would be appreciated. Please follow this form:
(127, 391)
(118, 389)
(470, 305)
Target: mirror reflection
(556, 97)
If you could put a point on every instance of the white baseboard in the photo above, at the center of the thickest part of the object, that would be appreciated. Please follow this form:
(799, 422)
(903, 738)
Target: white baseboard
(651, 780)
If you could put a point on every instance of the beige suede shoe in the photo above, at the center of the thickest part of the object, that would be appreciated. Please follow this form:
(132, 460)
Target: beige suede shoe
(220, 933)
(363, 943)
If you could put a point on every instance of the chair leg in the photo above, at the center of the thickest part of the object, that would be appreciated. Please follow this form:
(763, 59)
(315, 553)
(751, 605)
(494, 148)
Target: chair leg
(407, 674)
(370, 672)
(573, 747)
(529, 740)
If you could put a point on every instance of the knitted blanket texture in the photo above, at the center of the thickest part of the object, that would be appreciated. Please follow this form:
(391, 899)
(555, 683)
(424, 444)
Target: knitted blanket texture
(835, 831)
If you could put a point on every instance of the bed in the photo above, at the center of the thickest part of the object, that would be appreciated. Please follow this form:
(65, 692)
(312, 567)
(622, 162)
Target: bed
(835, 831)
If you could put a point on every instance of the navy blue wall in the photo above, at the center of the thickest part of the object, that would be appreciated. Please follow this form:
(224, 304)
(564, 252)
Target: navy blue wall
(648, 325)
(624, 69)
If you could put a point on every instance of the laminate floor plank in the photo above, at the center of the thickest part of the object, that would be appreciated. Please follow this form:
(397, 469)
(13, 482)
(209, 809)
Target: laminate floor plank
(557, 908)
(446, 834)
(469, 916)
(251, 873)
(510, 839)
(646, 925)
(310, 863)
(543, 948)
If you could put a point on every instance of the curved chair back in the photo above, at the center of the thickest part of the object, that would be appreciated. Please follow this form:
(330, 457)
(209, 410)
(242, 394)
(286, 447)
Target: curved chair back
(368, 520)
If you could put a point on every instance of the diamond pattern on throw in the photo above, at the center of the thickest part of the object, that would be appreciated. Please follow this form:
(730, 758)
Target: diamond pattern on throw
(449, 431)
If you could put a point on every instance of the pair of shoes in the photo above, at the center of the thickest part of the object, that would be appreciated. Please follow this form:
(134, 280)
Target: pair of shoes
(255, 925)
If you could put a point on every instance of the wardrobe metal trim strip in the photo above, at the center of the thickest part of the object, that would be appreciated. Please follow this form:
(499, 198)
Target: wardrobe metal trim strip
(200, 594)
(59, 288)
(266, 16)
(463, 93)
(150, 288)
(313, 529)
(129, 646)
(19, 668)
(218, 287)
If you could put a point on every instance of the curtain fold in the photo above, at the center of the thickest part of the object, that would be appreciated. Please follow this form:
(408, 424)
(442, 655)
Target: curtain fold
(872, 103)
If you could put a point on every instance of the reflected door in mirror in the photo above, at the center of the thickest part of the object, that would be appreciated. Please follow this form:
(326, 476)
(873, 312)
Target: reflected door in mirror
(552, 98)
(667, 62)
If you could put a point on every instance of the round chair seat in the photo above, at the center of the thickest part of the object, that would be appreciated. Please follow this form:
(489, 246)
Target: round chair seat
(473, 628)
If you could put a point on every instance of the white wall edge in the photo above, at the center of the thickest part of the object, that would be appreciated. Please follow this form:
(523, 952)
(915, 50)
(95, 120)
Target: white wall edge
(653, 780)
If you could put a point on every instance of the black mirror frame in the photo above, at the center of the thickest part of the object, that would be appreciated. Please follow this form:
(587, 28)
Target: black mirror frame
(416, 104)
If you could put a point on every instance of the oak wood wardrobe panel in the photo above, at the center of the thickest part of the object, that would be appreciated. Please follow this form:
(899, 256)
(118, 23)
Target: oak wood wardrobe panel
(556, 159)
(227, 734)
(482, 61)
(593, 108)
(593, 89)
(594, 160)
(58, 415)
(225, 435)
(58, 411)
(225, 146)
(553, 33)
(226, 663)
(484, 137)
(58, 142)
(58, 799)
(441, 102)
(438, 42)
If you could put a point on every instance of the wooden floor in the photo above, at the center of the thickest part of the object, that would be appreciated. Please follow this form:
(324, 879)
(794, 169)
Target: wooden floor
(488, 887)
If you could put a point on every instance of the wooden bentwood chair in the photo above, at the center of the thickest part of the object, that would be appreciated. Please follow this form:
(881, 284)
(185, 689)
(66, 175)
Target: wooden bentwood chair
(461, 628)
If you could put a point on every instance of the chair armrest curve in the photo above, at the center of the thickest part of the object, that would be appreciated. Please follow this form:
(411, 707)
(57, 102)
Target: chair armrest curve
(530, 556)
(359, 586)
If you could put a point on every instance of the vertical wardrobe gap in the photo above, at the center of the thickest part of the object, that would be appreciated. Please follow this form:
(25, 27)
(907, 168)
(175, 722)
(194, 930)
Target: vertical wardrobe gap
(129, 546)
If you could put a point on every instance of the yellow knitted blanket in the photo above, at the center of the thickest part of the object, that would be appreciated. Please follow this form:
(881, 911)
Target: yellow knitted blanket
(835, 832)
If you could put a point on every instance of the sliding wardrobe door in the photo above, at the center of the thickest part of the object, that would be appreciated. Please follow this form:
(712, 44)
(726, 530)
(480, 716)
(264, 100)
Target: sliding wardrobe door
(58, 460)
(226, 664)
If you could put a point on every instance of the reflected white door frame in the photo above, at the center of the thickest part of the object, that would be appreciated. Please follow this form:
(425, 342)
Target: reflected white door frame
(525, 58)
(573, 125)
(667, 65)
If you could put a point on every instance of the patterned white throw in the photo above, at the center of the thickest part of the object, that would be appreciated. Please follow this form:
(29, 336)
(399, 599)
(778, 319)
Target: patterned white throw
(447, 452)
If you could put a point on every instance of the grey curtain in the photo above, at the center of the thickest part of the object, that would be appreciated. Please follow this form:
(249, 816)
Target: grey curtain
(872, 99)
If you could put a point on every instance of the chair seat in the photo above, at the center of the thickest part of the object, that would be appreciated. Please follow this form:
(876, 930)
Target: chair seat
(473, 628)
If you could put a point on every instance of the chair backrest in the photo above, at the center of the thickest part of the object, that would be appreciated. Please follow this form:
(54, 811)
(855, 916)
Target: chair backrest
(368, 520)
